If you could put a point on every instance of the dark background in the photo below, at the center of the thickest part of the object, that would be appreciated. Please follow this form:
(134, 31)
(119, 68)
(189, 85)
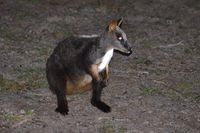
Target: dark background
(157, 89)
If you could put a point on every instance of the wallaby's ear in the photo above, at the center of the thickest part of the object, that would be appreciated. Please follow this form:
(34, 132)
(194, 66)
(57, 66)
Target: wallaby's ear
(119, 22)
(112, 26)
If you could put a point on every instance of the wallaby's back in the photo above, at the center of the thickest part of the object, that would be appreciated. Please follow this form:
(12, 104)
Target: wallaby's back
(69, 56)
(73, 46)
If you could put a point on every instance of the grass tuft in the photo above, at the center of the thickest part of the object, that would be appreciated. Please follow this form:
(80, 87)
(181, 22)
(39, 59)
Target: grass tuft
(107, 127)
(150, 90)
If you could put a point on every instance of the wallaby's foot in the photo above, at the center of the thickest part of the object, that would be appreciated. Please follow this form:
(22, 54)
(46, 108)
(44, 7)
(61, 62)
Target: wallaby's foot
(62, 109)
(102, 106)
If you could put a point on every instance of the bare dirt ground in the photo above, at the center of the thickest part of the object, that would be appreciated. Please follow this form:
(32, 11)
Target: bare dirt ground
(155, 90)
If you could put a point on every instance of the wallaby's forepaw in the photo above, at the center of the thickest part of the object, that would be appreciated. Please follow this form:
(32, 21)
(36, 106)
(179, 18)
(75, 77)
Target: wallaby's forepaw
(104, 83)
(102, 106)
(62, 110)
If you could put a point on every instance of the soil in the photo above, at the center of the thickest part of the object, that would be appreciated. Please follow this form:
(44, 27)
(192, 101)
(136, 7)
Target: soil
(155, 90)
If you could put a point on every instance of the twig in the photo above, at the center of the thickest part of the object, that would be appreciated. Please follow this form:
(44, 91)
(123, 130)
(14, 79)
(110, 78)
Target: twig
(160, 82)
(170, 45)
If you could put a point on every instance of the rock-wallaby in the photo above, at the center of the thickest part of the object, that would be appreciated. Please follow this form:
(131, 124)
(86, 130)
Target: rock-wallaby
(80, 63)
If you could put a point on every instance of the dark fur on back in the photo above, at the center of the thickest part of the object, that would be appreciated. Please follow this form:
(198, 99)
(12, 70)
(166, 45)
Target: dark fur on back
(74, 54)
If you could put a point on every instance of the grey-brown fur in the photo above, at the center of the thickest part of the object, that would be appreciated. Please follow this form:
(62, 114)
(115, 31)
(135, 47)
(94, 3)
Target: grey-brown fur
(77, 57)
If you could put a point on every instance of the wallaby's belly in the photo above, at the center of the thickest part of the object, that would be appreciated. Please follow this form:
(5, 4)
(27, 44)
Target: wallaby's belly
(80, 85)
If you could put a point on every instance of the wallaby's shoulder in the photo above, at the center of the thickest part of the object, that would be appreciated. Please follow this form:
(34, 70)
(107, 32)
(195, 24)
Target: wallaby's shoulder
(78, 41)
(76, 46)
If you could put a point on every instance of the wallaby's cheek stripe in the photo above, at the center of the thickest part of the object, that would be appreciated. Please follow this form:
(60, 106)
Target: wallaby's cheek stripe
(88, 36)
(105, 60)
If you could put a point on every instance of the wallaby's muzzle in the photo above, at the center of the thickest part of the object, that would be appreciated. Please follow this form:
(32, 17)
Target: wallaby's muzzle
(126, 51)
(129, 49)
(129, 52)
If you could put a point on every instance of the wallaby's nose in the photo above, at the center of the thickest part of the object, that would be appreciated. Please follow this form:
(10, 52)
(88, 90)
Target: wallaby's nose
(129, 48)
(130, 51)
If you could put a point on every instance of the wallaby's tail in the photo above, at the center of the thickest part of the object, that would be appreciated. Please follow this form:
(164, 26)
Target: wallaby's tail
(49, 75)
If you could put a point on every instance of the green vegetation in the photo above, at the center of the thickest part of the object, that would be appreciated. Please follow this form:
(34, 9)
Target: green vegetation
(122, 130)
(7, 34)
(157, 72)
(12, 117)
(12, 34)
(43, 52)
(61, 34)
(193, 49)
(33, 78)
(185, 89)
(197, 98)
(30, 112)
(150, 90)
(147, 44)
(17, 117)
(27, 80)
(21, 14)
(6, 84)
(107, 127)
(143, 61)
(34, 1)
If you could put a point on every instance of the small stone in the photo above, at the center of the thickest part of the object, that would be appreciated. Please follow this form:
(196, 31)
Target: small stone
(22, 112)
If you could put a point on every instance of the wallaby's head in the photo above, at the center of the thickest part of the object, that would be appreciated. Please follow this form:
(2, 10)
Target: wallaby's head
(115, 37)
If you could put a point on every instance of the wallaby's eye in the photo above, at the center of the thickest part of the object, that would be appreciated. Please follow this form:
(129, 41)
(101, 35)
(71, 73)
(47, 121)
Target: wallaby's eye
(120, 38)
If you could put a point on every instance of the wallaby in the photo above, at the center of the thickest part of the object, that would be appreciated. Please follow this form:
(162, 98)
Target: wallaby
(80, 63)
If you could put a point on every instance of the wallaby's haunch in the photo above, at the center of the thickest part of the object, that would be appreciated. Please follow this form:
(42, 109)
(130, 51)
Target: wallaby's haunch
(80, 63)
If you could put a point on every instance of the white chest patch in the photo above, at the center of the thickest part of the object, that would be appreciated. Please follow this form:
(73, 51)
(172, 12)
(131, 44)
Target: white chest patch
(105, 60)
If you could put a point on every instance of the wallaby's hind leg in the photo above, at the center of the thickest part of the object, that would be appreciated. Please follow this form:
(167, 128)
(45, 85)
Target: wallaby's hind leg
(57, 83)
(62, 103)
